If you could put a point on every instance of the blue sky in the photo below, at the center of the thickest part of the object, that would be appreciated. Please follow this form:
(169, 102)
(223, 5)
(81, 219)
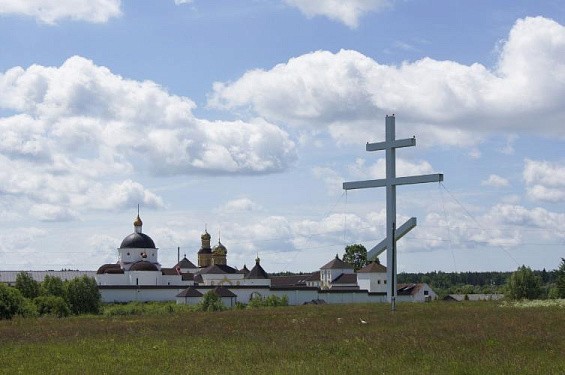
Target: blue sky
(246, 116)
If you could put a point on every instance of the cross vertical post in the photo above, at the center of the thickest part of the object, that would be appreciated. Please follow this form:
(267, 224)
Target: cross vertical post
(390, 145)
(390, 210)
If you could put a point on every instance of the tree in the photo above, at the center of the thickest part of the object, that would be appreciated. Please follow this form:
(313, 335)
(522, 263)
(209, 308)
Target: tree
(27, 285)
(11, 301)
(211, 302)
(524, 284)
(356, 255)
(83, 295)
(52, 286)
(560, 282)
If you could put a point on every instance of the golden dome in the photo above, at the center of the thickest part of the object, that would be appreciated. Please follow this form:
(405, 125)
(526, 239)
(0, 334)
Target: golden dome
(219, 249)
(137, 222)
(205, 236)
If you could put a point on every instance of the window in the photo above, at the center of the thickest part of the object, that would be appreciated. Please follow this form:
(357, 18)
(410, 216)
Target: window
(426, 292)
(378, 281)
(385, 281)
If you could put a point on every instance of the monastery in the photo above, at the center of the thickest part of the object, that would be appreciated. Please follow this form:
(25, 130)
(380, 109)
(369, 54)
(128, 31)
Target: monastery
(138, 276)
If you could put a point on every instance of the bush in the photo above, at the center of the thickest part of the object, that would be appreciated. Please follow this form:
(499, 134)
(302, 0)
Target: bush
(27, 285)
(11, 301)
(210, 302)
(52, 305)
(28, 309)
(270, 301)
(52, 286)
(83, 295)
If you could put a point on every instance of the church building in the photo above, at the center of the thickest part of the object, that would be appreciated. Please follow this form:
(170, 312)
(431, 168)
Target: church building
(138, 276)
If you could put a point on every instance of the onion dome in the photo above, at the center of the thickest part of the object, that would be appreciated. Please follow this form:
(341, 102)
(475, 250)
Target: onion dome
(138, 241)
(205, 236)
(205, 246)
(143, 265)
(219, 249)
(137, 222)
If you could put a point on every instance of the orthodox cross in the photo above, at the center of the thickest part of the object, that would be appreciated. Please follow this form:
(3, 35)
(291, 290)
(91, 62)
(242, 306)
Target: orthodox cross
(390, 182)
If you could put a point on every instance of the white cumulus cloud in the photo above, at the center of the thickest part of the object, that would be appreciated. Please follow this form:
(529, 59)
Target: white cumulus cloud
(239, 205)
(79, 135)
(495, 181)
(443, 102)
(347, 12)
(545, 181)
(49, 11)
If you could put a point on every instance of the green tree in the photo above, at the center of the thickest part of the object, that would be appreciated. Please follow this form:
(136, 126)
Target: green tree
(560, 282)
(211, 302)
(524, 284)
(83, 295)
(11, 301)
(27, 285)
(356, 255)
(52, 286)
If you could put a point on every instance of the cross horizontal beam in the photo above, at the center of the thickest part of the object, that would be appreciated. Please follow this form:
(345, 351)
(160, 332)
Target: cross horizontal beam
(395, 181)
(398, 234)
(398, 143)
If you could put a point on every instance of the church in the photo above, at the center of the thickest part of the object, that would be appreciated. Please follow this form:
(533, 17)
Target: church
(138, 276)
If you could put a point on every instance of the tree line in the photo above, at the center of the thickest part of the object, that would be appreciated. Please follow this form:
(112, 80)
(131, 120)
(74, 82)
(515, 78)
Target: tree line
(53, 296)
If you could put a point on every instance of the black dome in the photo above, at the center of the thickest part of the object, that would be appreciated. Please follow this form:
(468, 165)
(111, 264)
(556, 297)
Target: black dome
(143, 265)
(139, 241)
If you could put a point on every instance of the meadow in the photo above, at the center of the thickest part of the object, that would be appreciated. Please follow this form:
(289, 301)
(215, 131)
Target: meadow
(433, 338)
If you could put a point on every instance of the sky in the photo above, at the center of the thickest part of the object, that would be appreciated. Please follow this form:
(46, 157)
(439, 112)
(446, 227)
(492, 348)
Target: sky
(244, 118)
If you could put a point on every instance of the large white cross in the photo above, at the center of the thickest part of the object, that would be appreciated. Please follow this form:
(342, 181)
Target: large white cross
(390, 182)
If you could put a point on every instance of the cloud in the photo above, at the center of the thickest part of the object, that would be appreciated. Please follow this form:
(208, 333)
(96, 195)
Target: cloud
(545, 181)
(347, 12)
(179, 2)
(495, 181)
(239, 205)
(18, 247)
(443, 102)
(378, 169)
(331, 179)
(79, 135)
(50, 212)
(50, 12)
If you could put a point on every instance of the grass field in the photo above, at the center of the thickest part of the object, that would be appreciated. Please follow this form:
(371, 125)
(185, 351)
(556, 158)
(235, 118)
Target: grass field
(435, 338)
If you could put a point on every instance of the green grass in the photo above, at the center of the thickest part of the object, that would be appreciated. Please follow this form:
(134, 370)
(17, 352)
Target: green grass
(435, 338)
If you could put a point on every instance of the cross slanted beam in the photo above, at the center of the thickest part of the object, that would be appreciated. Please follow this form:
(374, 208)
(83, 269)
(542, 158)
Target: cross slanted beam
(379, 248)
(390, 182)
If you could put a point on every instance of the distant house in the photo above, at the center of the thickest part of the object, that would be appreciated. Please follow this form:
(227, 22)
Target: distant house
(420, 292)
